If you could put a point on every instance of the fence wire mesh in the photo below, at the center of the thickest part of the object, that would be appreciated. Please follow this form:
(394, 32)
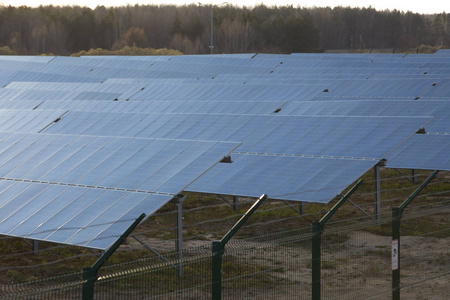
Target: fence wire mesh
(266, 259)
(425, 251)
(269, 267)
(60, 287)
(356, 262)
(189, 278)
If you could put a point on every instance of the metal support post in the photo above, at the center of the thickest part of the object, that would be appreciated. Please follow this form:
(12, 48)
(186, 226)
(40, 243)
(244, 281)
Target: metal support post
(236, 203)
(395, 252)
(233, 203)
(396, 222)
(218, 248)
(90, 277)
(179, 232)
(35, 247)
(302, 207)
(376, 175)
(90, 273)
(212, 30)
(414, 176)
(316, 246)
(317, 229)
(217, 253)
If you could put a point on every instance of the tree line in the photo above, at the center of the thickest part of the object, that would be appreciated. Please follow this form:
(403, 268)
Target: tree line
(69, 29)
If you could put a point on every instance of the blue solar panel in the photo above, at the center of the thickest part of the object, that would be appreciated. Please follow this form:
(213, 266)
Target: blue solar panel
(64, 69)
(85, 190)
(307, 179)
(124, 90)
(326, 136)
(149, 165)
(422, 151)
(439, 110)
(442, 52)
(381, 88)
(27, 120)
(210, 69)
(74, 215)
(27, 58)
(230, 92)
(356, 73)
(11, 104)
(439, 90)
(166, 107)
(310, 150)
(359, 63)
(120, 62)
(47, 77)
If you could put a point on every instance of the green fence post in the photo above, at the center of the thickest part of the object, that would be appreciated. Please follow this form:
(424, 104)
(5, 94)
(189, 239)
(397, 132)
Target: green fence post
(395, 252)
(217, 252)
(218, 248)
(316, 246)
(90, 273)
(88, 285)
(395, 247)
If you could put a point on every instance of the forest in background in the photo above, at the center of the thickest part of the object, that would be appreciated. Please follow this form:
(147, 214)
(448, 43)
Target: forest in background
(285, 29)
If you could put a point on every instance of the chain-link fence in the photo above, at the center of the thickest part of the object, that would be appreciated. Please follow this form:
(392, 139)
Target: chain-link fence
(356, 257)
(59, 287)
(355, 264)
(424, 244)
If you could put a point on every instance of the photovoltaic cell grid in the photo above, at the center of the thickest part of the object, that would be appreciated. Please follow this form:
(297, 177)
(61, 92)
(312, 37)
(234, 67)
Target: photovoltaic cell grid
(422, 151)
(351, 137)
(124, 90)
(308, 179)
(41, 95)
(438, 110)
(291, 146)
(136, 164)
(87, 190)
(228, 92)
(381, 88)
(74, 215)
(167, 107)
(160, 92)
(28, 120)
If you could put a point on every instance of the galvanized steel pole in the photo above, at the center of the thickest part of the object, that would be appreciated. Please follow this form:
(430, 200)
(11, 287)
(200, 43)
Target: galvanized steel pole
(212, 30)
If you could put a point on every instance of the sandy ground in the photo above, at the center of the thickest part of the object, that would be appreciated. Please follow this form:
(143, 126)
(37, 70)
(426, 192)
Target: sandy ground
(355, 265)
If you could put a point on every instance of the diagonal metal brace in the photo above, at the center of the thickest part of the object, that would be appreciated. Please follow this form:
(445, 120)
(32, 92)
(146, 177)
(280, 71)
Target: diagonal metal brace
(335, 208)
(159, 255)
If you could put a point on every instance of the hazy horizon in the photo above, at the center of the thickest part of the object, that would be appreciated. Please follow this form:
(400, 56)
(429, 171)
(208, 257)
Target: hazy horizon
(423, 7)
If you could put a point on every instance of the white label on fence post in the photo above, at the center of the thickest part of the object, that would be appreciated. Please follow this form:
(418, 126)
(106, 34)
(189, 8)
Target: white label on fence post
(394, 255)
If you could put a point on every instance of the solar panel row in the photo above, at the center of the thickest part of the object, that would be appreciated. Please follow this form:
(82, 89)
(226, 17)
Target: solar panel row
(70, 170)
(73, 215)
(143, 128)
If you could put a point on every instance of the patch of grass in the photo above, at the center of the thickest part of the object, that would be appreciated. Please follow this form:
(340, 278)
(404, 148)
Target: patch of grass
(385, 253)
(329, 265)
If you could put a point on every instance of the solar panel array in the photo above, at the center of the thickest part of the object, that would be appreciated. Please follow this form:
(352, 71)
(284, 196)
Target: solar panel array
(87, 144)
(129, 176)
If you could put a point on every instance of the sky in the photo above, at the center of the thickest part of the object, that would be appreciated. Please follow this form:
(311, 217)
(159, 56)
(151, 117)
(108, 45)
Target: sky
(424, 7)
